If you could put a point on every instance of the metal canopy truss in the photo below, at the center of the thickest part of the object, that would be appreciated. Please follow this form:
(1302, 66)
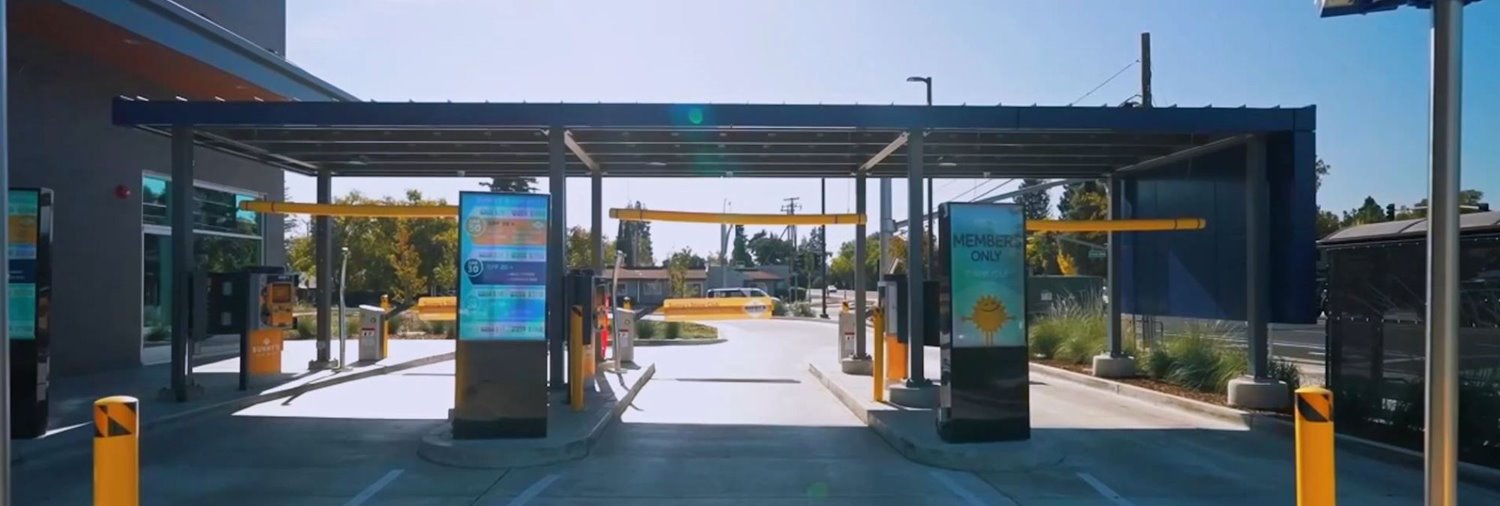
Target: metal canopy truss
(675, 140)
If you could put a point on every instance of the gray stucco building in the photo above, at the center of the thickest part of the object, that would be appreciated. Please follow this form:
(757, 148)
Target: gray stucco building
(68, 59)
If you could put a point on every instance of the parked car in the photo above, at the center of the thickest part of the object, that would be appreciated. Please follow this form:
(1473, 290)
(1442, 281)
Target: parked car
(719, 293)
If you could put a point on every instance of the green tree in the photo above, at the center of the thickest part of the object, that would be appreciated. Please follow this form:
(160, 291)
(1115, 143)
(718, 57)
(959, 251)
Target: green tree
(510, 184)
(635, 241)
(810, 259)
(678, 266)
(1084, 201)
(1041, 253)
(687, 258)
(841, 267)
(580, 247)
(769, 249)
(1036, 205)
(1470, 200)
(407, 264)
(1368, 212)
(431, 245)
(1328, 223)
(740, 256)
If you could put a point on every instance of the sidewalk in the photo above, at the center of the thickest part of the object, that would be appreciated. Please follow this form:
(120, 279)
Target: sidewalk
(72, 398)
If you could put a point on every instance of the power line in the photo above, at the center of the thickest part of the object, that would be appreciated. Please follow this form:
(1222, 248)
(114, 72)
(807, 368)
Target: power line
(1106, 81)
(976, 188)
(992, 190)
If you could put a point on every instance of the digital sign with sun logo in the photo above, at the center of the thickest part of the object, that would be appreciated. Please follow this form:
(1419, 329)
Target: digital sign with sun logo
(986, 268)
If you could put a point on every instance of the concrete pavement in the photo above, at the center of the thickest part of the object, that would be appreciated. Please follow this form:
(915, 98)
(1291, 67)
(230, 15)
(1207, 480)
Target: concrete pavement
(741, 422)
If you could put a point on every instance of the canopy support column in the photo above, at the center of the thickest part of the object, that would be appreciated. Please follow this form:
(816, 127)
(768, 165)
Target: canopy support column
(323, 264)
(1256, 272)
(557, 258)
(916, 305)
(596, 220)
(1115, 266)
(860, 332)
(183, 259)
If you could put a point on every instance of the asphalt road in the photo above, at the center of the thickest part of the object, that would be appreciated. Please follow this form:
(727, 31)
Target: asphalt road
(740, 422)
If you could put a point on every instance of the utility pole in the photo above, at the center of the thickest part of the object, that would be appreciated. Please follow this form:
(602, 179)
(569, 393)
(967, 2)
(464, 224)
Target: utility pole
(1146, 69)
(790, 207)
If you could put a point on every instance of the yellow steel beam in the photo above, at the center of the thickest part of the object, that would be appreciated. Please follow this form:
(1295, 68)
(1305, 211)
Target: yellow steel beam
(628, 214)
(1143, 225)
(361, 210)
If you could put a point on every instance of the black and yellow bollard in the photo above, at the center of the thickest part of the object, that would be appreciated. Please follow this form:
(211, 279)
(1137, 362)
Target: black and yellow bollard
(877, 365)
(576, 359)
(117, 438)
(1315, 476)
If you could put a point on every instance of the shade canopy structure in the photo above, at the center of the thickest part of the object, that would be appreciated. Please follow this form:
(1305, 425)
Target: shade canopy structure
(1222, 167)
(383, 139)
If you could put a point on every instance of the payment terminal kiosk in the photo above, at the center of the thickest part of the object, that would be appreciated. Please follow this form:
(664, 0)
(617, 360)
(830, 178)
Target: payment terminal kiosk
(255, 303)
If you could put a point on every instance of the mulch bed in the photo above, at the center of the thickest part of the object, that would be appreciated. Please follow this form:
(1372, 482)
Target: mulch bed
(1217, 399)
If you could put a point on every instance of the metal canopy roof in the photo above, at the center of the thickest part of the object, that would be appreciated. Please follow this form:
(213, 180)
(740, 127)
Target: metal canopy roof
(692, 140)
(1409, 229)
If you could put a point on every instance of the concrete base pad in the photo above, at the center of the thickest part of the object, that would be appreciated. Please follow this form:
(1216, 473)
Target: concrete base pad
(1249, 393)
(1106, 366)
(913, 433)
(925, 397)
(856, 366)
(570, 434)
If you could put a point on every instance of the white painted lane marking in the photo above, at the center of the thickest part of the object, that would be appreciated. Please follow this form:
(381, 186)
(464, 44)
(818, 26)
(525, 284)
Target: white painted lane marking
(374, 488)
(534, 490)
(1104, 490)
(968, 497)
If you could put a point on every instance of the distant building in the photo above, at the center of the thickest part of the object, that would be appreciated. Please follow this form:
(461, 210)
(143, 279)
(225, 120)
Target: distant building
(651, 286)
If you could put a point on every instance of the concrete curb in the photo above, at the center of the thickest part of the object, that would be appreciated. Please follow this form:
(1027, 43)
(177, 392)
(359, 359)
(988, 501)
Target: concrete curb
(956, 457)
(678, 342)
(65, 447)
(1231, 415)
(1267, 424)
(439, 448)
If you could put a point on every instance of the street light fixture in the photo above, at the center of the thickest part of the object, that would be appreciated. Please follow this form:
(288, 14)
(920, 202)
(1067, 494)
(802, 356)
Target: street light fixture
(1441, 429)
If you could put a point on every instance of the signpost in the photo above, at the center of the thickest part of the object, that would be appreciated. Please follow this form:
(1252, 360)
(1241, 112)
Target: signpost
(985, 389)
(502, 316)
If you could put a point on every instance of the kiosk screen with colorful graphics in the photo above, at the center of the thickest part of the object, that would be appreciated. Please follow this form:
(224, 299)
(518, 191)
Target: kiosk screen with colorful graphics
(502, 287)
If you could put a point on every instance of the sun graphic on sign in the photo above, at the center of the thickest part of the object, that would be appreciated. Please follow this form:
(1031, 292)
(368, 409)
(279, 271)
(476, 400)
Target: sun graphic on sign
(988, 315)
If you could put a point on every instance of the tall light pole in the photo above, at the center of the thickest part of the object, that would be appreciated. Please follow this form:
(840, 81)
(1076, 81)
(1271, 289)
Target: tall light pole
(1441, 435)
(823, 230)
(930, 240)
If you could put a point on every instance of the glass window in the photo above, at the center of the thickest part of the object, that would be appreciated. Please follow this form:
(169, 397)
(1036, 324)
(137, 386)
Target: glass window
(216, 210)
(215, 253)
(154, 200)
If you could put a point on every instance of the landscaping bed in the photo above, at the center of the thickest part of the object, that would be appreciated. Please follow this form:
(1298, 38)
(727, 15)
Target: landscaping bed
(653, 330)
(1196, 364)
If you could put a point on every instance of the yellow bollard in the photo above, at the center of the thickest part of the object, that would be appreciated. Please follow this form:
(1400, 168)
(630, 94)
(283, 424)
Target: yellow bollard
(385, 333)
(117, 438)
(1315, 476)
(877, 365)
(575, 360)
(895, 352)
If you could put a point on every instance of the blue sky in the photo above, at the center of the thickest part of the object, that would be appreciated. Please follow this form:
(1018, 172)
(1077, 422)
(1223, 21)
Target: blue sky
(1368, 75)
